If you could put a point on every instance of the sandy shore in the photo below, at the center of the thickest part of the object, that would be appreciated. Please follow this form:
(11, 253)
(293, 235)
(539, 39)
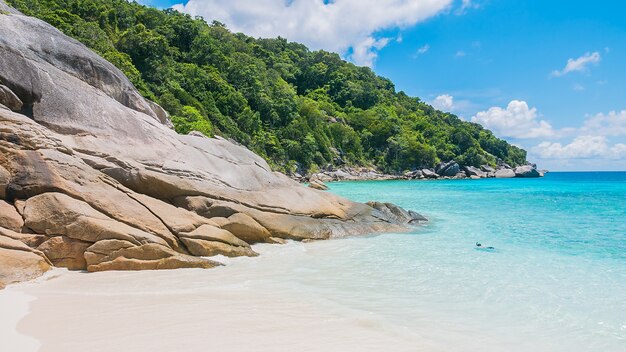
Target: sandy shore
(223, 309)
(14, 307)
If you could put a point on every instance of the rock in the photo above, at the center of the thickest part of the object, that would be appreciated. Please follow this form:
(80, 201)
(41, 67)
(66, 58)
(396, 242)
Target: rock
(73, 74)
(17, 266)
(5, 177)
(460, 175)
(487, 168)
(96, 253)
(212, 233)
(204, 207)
(18, 262)
(244, 227)
(412, 175)
(31, 240)
(9, 99)
(450, 168)
(211, 248)
(59, 214)
(149, 257)
(429, 173)
(526, 171)
(505, 173)
(65, 252)
(319, 185)
(176, 219)
(276, 240)
(398, 214)
(473, 171)
(10, 218)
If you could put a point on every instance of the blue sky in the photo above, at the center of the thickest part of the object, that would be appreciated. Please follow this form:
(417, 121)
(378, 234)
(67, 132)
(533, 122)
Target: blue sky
(546, 75)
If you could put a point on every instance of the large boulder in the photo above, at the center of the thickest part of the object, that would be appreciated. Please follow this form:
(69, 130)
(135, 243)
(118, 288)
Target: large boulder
(450, 168)
(10, 218)
(474, 171)
(527, 171)
(19, 262)
(244, 227)
(427, 173)
(398, 214)
(149, 257)
(207, 241)
(505, 173)
(65, 252)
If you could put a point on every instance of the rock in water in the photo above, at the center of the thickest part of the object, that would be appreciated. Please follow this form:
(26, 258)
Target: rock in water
(474, 171)
(103, 182)
(505, 173)
(527, 171)
(427, 173)
(450, 168)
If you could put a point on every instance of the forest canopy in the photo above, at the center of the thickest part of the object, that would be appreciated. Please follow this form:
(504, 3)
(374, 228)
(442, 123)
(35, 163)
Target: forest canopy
(301, 110)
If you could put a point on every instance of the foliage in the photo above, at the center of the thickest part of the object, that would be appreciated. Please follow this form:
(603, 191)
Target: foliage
(301, 110)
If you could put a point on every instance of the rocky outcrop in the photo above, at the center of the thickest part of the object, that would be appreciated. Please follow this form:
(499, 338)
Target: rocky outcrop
(319, 185)
(347, 174)
(474, 171)
(450, 168)
(428, 173)
(527, 171)
(505, 173)
(93, 177)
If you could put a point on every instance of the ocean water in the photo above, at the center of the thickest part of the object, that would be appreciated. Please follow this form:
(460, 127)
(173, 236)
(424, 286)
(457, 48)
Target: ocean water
(556, 281)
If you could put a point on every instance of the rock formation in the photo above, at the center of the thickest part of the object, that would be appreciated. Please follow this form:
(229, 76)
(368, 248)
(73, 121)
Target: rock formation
(93, 178)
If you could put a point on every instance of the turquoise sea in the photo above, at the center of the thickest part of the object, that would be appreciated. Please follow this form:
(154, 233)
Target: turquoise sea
(555, 282)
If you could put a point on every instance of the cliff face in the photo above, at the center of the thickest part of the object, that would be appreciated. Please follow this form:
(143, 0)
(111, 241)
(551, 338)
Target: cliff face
(93, 177)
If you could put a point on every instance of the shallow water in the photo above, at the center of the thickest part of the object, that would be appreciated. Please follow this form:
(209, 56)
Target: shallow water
(556, 281)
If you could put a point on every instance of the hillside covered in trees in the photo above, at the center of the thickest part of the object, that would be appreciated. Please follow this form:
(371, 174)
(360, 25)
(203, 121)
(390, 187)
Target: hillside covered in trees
(301, 110)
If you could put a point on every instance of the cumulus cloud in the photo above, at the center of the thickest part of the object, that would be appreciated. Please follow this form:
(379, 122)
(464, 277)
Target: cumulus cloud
(444, 102)
(344, 26)
(582, 147)
(579, 64)
(611, 124)
(423, 49)
(516, 121)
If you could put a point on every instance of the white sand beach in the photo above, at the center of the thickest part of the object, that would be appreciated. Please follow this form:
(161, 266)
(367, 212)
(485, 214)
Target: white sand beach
(190, 309)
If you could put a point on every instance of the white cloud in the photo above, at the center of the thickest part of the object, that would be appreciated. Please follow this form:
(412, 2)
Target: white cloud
(516, 121)
(423, 49)
(578, 87)
(460, 53)
(611, 124)
(582, 147)
(579, 64)
(340, 26)
(444, 102)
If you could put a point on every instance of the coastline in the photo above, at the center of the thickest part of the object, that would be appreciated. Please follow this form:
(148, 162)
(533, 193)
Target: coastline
(100, 309)
(449, 170)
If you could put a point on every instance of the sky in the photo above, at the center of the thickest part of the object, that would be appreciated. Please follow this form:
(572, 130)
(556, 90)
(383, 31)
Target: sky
(549, 76)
